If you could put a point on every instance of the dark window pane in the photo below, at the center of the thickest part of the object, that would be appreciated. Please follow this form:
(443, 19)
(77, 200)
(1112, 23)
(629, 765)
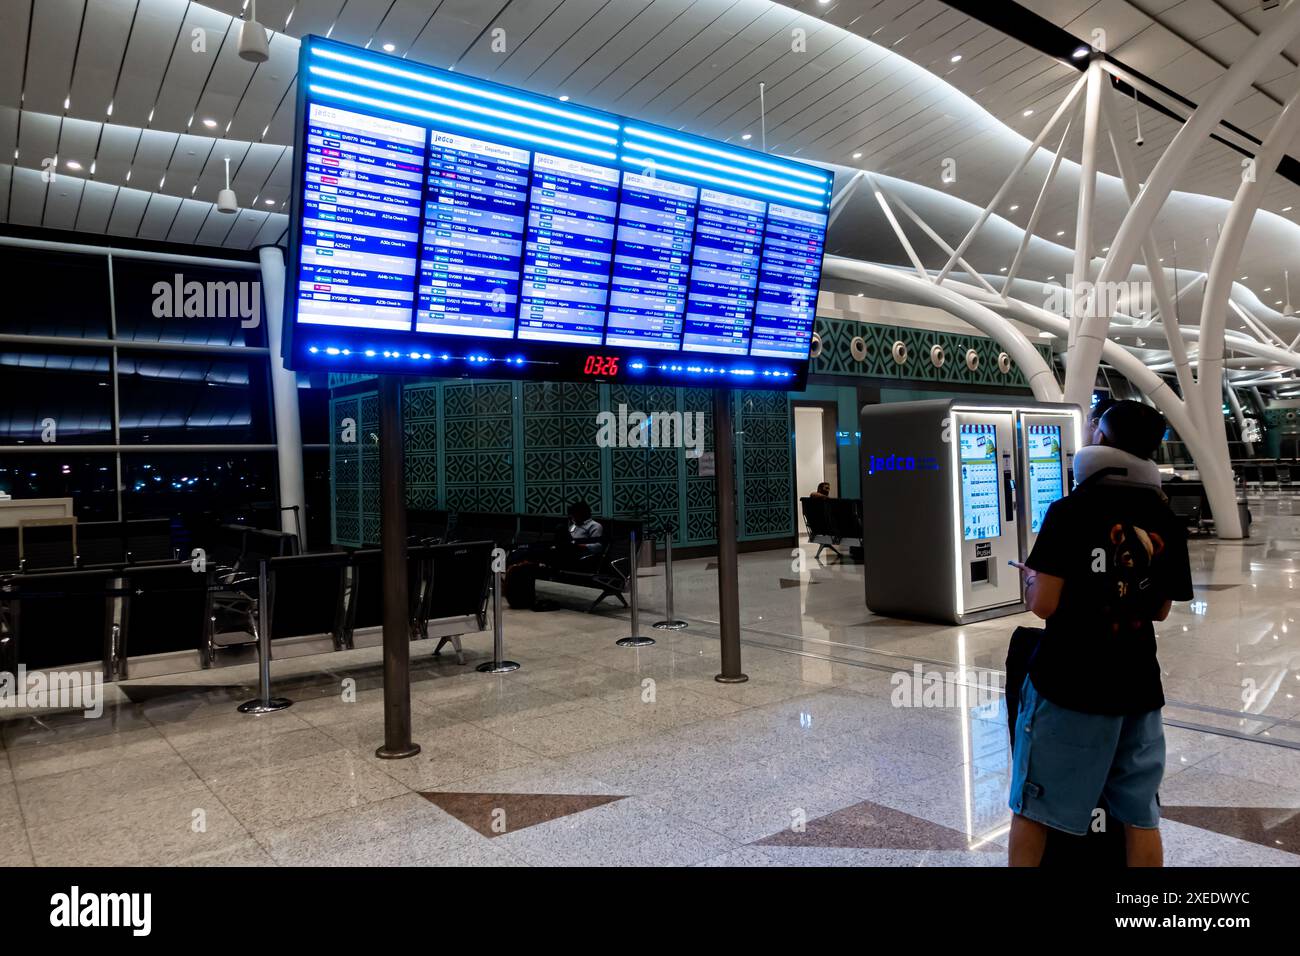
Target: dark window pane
(54, 293)
(193, 399)
(198, 488)
(89, 480)
(174, 302)
(55, 396)
(313, 415)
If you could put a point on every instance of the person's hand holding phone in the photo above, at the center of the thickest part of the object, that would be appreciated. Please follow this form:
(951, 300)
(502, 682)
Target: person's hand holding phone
(1026, 571)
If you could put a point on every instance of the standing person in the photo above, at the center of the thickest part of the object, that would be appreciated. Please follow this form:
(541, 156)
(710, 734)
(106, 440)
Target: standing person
(1110, 560)
(1093, 419)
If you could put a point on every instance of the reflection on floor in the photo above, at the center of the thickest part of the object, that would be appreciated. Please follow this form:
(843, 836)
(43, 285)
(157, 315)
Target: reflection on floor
(597, 754)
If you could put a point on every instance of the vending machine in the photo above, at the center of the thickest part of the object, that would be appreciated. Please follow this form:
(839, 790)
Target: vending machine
(953, 491)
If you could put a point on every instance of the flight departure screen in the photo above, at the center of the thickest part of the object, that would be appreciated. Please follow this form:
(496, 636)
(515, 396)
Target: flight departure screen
(446, 225)
(980, 499)
(1046, 478)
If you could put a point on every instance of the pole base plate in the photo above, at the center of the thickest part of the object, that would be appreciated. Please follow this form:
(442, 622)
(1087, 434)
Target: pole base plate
(268, 706)
(635, 641)
(497, 667)
(397, 753)
(670, 625)
(725, 679)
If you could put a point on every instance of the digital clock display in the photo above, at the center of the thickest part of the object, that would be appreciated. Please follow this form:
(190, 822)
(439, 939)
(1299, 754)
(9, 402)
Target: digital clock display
(605, 366)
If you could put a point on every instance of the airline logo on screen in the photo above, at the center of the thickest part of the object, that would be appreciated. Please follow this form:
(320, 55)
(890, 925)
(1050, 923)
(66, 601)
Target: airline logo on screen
(447, 221)
(884, 464)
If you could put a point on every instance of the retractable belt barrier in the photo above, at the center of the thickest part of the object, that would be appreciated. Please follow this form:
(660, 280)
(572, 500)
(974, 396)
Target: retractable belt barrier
(635, 639)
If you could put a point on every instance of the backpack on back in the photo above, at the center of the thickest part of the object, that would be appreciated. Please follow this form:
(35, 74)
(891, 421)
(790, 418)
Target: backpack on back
(1127, 569)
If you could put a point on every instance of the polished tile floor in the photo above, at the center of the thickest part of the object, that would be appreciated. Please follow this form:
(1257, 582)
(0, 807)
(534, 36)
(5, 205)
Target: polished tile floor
(593, 754)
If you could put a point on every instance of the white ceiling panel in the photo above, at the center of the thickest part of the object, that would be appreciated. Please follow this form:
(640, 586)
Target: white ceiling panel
(99, 56)
(189, 220)
(61, 203)
(216, 226)
(14, 21)
(128, 209)
(96, 205)
(26, 197)
(268, 86)
(246, 227)
(154, 36)
(357, 21)
(517, 21)
(314, 16)
(272, 230)
(38, 139)
(454, 27)
(189, 70)
(55, 29)
(158, 216)
(6, 178)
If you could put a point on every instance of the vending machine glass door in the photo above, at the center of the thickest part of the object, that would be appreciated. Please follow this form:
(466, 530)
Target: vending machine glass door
(1046, 453)
(988, 535)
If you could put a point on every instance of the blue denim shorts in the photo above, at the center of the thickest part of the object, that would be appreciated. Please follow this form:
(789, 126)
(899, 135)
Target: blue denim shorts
(1068, 763)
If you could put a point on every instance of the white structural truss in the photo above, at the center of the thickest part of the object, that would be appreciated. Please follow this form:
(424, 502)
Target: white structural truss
(1089, 322)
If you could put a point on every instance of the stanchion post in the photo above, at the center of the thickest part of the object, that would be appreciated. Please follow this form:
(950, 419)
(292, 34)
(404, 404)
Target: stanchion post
(498, 664)
(728, 564)
(265, 703)
(392, 541)
(635, 639)
(670, 622)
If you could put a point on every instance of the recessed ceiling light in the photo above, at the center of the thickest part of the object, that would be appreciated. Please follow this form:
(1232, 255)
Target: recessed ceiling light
(747, 136)
(389, 47)
(110, 109)
(67, 102)
(564, 98)
(1051, 278)
(1015, 207)
(956, 58)
(1027, 113)
(1287, 209)
(857, 155)
(1046, 335)
(1080, 52)
(1268, 289)
(210, 123)
(1003, 269)
(270, 202)
(1106, 249)
(73, 164)
(1243, 278)
(128, 175)
(1061, 233)
(1278, 302)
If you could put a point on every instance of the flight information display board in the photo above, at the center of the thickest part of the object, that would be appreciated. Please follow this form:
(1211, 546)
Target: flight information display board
(980, 499)
(1046, 478)
(450, 226)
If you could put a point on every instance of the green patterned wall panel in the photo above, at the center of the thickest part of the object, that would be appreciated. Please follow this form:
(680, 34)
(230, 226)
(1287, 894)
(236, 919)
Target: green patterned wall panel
(837, 358)
(765, 464)
(561, 462)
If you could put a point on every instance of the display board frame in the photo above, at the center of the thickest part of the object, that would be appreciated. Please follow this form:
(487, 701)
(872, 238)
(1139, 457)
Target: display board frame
(708, 166)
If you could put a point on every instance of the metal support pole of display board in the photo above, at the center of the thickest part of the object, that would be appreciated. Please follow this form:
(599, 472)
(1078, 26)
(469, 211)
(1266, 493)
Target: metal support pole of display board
(498, 664)
(392, 541)
(635, 639)
(265, 703)
(670, 622)
(728, 564)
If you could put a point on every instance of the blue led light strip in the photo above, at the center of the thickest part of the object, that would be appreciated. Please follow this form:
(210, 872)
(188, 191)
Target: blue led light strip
(645, 162)
(457, 121)
(735, 155)
(722, 167)
(573, 114)
(459, 105)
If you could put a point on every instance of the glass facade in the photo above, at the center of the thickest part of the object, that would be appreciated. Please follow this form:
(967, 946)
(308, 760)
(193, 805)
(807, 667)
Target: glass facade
(159, 352)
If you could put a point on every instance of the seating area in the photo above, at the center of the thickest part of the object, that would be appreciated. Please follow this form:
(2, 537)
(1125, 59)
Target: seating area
(1262, 474)
(833, 523)
(114, 593)
(604, 570)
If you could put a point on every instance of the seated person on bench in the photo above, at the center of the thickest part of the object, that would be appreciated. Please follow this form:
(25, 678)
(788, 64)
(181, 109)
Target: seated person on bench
(573, 545)
(823, 490)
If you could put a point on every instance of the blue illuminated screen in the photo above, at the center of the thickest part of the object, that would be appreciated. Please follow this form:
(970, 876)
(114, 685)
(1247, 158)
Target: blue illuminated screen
(981, 515)
(465, 221)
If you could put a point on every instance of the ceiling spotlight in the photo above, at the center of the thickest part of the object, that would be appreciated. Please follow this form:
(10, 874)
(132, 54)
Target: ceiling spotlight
(389, 47)
(1243, 278)
(226, 200)
(1051, 278)
(1003, 269)
(1287, 209)
(956, 58)
(564, 98)
(1060, 234)
(1027, 113)
(253, 45)
(73, 164)
(747, 136)
(270, 202)
(857, 155)
(67, 102)
(210, 123)
(110, 109)
(1015, 206)
(1080, 52)
(1268, 289)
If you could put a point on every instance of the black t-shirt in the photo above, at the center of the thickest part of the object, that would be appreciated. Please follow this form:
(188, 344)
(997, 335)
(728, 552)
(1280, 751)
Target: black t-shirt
(1083, 663)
